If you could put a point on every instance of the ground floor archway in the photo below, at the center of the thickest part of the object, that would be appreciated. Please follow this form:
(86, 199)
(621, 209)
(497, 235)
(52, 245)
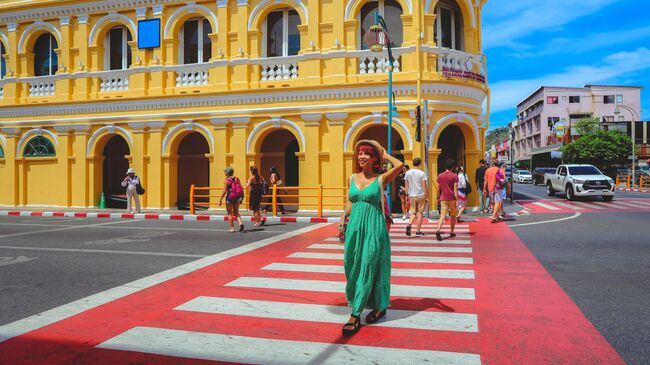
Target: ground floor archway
(114, 168)
(279, 149)
(193, 167)
(452, 146)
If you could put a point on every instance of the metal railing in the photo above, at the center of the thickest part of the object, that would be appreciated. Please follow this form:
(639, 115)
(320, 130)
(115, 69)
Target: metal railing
(315, 197)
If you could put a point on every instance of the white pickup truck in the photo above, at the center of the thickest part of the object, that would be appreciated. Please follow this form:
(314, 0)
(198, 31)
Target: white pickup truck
(579, 180)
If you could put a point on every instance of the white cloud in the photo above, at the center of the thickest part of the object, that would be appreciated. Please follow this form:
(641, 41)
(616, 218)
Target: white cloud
(510, 20)
(585, 43)
(507, 94)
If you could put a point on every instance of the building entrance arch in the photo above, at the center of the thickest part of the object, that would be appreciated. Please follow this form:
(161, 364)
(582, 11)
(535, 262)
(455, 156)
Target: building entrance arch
(192, 167)
(279, 149)
(451, 144)
(114, 169)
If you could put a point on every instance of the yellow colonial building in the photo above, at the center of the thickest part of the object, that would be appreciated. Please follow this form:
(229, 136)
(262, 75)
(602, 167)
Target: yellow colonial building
(285, 83)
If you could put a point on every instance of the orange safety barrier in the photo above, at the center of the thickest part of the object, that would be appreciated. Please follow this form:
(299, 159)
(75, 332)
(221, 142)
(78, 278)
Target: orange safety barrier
(623, 180)
(318, 197)
(643, 181)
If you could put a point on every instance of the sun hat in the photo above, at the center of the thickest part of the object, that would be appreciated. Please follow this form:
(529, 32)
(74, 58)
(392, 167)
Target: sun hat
(373, 144)
(131, 170)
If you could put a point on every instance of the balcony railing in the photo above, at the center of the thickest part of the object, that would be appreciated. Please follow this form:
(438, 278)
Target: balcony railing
(279, 71)
(192, 75)
(42, 88)
(114, 82)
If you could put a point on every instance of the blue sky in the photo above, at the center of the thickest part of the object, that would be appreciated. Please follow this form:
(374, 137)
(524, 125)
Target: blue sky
(530, 43)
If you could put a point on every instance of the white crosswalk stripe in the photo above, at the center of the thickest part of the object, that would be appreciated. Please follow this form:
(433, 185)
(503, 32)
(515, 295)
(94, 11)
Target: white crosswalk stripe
(610, 205)
(588, 205)
(240, 349)
(396, 290)
(627, 204)
(447, 240)
(435, 321)
(565, 205)
(394, 258)
(395, 272)
(546, 206)
(325, 246)
(642, 203)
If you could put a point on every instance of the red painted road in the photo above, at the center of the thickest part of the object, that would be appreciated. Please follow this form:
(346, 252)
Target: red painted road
(585, 206)
(524, 317)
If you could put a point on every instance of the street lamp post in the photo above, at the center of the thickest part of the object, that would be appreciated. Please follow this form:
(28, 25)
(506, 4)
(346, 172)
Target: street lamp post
(512, 159)
(635, 116)
(377, 38)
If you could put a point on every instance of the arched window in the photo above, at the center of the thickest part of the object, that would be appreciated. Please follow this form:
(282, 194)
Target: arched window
(196, 46)
(282, 37)
(39, 146)
(391, 11)
(3, 62)
(46, 62)
(118, 51)
(448, 31)
(2, 152)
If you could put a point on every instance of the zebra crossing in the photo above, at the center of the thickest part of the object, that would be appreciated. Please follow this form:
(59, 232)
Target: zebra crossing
(564, 206)
(456, 301)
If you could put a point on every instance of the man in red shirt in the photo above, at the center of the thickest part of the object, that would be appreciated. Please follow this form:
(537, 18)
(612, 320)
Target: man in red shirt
(447, 196)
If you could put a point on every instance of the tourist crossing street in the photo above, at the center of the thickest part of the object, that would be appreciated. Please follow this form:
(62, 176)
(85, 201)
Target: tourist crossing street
(479, 298)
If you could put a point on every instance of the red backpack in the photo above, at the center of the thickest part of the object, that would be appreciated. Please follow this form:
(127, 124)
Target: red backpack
(236, 191)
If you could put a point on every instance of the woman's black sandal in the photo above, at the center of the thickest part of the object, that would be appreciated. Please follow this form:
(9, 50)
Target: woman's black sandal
(375, 316)
(351, 328)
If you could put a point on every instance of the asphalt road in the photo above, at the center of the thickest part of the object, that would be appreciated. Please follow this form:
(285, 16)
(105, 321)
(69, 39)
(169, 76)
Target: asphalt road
(602, 261)
(47, 262)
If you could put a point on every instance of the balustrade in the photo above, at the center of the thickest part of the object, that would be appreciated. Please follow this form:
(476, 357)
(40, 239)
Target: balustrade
(374, 65)
(115, 83)
(43, 88)
(279, 71)
(192, 78)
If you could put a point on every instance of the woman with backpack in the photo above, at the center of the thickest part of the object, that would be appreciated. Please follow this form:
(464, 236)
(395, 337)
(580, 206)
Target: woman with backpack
(257, 186)
(463, 183)
(234, 193)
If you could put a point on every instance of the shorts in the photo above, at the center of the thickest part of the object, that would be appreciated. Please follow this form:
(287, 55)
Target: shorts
(417, 204)
(254, 202)
(448, 207)
(496, 196)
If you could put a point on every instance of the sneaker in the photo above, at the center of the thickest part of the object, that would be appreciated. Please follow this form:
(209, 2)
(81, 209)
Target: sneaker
(438, 236)
(419, 234)
(241, 228)
(408, 230)
(404, 217)
(452, 235)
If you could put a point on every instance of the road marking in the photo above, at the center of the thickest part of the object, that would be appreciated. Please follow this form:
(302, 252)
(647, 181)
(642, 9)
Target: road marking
(414, 239)
(396, 290)
(67, 228)
(138, 237)
(434, 321)
(326, 246)
(575, 215)
(240, 349)
(115, 252)
(627, 204)
(446, 241)
(546, 206)
(264, 230)
(6, 261)
(588, 205)
(339, 269)
(394, 258)
(429, 225)
(610, 205)
(565, 205)
(71, 309)
(645, 204)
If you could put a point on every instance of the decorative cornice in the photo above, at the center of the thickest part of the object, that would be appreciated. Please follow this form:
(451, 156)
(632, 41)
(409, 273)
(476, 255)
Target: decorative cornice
(91, 7)
(158, 9)
(312, 118)
(141, 12)
(250, 98)
(336, 117)
(240, 121)
(83, 19)
(63, 129)
(10, 132)
(11, 27)
(65, 21)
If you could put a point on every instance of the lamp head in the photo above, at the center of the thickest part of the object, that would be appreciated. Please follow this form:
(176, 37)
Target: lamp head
(376, 38)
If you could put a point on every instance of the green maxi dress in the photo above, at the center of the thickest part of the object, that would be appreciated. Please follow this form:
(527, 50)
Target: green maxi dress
(367, 250)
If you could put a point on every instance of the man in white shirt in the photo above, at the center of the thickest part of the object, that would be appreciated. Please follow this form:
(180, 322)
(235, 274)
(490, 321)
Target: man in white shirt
(416, 188)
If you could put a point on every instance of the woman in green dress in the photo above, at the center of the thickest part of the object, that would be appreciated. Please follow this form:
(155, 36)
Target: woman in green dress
(367, 246)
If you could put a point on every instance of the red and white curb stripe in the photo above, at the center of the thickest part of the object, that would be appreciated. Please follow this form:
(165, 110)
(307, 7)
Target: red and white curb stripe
(166, 217)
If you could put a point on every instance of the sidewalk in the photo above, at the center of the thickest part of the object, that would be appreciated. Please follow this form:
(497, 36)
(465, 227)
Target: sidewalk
(512, 209)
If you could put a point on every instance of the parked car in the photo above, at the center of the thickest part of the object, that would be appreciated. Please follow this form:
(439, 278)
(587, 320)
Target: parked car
(579, 180)
(538, 174)
(522, 176)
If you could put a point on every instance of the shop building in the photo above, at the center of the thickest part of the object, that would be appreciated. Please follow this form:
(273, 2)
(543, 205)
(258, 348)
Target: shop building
(283, 83)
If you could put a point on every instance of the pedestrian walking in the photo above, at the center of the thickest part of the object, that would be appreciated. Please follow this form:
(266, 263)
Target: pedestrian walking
(400, 182)
(461, 204)
(367, 245)
(256, 184)
(234, 193)
(275, 179)
(504, 191)
(447, 196)
(494, 183)
(417, 190)
(131, 182)
(479, 179)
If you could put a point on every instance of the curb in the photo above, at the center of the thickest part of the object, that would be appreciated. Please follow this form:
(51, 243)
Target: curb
(165, 217)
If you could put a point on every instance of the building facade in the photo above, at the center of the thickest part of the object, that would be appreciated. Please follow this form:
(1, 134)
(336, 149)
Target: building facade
(285, 83)
(545, 118)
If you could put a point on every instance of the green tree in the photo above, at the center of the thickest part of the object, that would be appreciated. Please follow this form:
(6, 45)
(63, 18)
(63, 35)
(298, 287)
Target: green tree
(496, 136)
(601, 148)
(586, 126)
